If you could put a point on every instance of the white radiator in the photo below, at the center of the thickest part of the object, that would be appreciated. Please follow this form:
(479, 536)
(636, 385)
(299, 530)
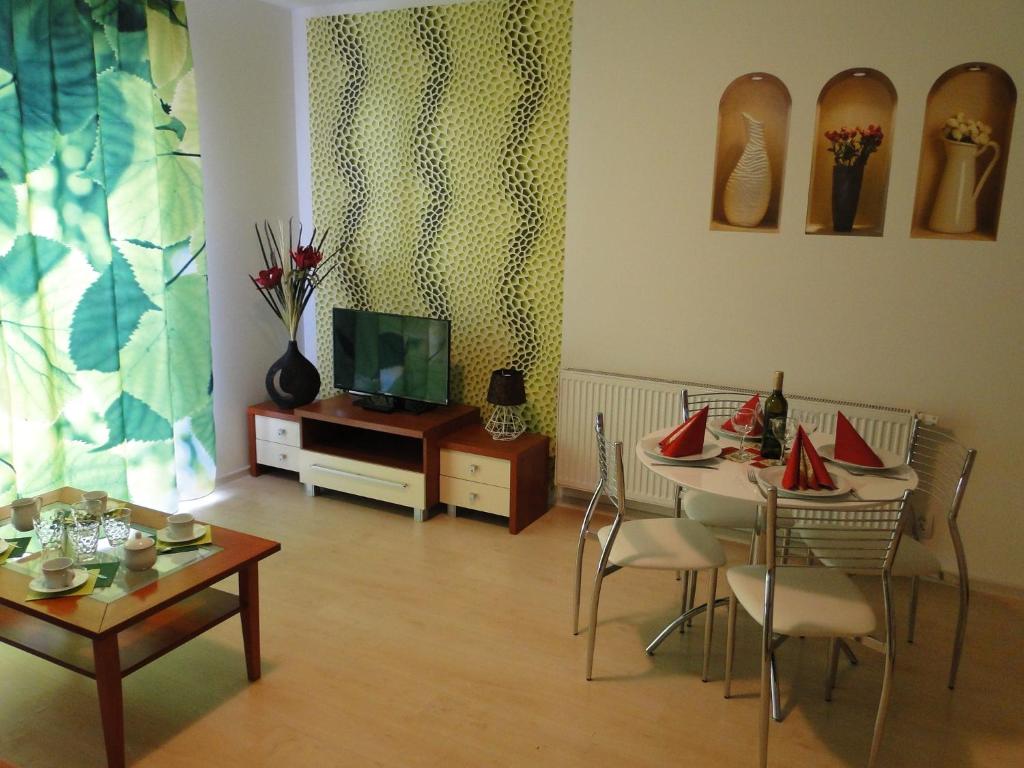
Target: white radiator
(635, 406)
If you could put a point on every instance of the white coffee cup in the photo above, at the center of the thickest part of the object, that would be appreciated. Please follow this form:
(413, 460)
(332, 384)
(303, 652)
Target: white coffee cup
(96, 501)
(22, 512)
(58, 573)
(180, 524)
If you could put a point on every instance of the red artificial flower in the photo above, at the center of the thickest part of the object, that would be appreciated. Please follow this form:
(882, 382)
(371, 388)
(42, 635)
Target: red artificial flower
(269, 278)
(306, 256)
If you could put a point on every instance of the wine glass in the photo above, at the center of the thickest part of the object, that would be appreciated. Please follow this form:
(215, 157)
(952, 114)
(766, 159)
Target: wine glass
(784, 430)
(743, 422)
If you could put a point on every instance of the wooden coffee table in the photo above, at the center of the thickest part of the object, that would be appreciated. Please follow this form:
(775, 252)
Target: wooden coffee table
(107, 641)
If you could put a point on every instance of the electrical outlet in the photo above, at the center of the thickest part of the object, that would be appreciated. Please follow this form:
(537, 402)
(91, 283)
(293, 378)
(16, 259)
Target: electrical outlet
(925, 525)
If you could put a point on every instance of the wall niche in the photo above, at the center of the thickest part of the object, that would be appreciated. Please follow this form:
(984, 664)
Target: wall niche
(960, 183)
(750, 154)
(854, 98)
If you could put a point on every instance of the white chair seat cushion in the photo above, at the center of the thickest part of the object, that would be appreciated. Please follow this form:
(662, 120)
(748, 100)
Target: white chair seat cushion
(664, 543)
(914, 559)
(811, 602)
(719, 511)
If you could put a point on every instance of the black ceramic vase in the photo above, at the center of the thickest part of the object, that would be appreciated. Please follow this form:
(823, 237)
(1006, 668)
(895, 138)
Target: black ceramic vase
(292, 380)
(846, 181)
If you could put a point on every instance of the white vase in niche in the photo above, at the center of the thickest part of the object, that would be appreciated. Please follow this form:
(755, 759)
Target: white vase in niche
(749, 187)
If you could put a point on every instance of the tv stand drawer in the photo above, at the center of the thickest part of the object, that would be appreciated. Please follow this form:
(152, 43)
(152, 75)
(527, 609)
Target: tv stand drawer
(374, 481)
(277, 455)
(478, 496)
(476, 468)
(273, 430)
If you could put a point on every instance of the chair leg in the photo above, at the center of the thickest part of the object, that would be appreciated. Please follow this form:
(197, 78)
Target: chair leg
(678, 509)
(595, 598)
(833, 667)
(709, 621)
(730, 644)
(773, 670)
(687, 575)
(579, 557)
(692, 597)
(766, 695)
(883, 705)
(961, 629)
(965, 599)
(912, 617)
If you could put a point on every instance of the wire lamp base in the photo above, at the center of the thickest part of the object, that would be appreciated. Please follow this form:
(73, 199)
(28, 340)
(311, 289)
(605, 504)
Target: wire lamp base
(505, 423)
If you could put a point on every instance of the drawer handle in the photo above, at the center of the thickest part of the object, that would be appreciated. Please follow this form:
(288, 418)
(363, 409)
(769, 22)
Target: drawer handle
(473, 468)
(281, 432)
(357, 476)
(472, 497)
(284, 457)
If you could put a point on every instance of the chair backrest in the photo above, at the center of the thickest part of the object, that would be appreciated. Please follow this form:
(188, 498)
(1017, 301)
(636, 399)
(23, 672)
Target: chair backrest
(942, 464)
(609, 466)
(857, 540)
(718, 403)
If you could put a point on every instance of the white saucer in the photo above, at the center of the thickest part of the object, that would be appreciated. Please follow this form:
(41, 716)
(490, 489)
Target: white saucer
(773, 476)
(889, 460)
(164, 535)
(650, 447)
(38, 584)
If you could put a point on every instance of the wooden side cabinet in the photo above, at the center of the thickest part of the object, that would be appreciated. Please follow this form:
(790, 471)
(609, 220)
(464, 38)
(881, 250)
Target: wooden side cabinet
(507, 478)
(273, 438)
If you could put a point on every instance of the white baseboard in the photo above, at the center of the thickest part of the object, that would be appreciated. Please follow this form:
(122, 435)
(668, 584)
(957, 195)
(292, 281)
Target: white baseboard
(234, 474)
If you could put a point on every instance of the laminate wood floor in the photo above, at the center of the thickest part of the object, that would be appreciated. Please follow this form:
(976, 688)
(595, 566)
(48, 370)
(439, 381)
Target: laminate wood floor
(387, 643)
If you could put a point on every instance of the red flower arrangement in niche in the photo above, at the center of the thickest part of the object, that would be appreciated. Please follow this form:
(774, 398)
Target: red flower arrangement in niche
(854, 147)
(291, 274)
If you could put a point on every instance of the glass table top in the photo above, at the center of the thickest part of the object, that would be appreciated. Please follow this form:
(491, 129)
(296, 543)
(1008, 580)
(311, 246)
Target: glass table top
(125, 581)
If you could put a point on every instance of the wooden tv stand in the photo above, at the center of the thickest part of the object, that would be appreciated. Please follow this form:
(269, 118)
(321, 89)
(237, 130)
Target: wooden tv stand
(393, 457)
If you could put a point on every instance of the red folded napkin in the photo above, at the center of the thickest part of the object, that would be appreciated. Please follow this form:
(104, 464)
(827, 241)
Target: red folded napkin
(688, 438)
(805, 470)
(753, 402)
(851, 447)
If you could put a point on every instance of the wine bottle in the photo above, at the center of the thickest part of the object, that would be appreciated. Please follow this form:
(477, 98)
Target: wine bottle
(775, 406)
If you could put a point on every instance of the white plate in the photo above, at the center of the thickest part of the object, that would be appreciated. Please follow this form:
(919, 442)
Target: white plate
(889, 460)
(715, 425)
(38, 584)
(773, 476)
(165, 535)
(649, 445)
(4, 546)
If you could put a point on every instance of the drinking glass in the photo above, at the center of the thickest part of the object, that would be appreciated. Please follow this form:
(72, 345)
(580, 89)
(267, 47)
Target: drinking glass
(117, 524)
(784, 430)
(49, 528)
(84, 532)
(743, 422)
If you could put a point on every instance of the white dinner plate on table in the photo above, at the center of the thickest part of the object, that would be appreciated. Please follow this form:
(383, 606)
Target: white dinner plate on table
(773, 476)
(715, 425)
(649, 445)
(167, 537)
(4, 546)
(38, 584)
(890, 461)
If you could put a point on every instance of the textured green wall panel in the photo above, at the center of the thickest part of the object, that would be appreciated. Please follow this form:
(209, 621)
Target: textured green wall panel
(438, 141)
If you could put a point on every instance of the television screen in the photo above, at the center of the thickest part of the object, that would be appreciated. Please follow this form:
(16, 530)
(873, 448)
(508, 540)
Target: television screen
(396, 355)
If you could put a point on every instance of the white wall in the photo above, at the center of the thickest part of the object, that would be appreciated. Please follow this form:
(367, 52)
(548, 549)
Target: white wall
(650, 290)
(244, 75)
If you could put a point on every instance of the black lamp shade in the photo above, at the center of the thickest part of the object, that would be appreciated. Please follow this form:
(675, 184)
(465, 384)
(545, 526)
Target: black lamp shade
(506, 387)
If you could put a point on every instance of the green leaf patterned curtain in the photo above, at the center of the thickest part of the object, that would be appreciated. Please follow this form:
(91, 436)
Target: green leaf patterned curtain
(105, 369)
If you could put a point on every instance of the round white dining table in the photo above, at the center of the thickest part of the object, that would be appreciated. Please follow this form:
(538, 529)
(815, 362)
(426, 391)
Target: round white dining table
(724, 477)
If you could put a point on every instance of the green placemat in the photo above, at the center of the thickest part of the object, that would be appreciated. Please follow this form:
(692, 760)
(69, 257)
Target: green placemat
(107, 572)
(20, 545)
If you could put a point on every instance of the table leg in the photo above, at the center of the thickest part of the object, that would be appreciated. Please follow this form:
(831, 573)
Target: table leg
(107, 660)
(249, 596)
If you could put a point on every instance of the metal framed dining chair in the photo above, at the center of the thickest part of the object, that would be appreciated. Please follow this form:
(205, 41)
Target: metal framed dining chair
(707, 508)
(943, 468)
(667, 543)
(819, 600)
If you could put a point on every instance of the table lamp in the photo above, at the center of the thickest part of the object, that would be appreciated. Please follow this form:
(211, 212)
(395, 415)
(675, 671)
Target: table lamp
(507, 394)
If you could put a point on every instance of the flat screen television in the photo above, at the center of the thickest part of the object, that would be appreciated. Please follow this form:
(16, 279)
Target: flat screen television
(398, 361)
